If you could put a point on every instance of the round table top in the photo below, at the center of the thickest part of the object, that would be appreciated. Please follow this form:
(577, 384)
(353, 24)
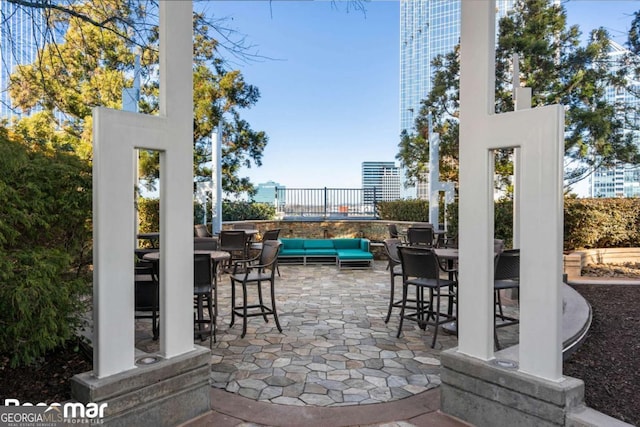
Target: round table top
(215, 255)
(246, 230)
(154, 235)
(447, 253)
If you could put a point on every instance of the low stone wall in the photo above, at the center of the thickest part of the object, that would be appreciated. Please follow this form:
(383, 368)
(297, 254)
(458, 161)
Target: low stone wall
(609, 255)
(575, 261)
(374, 230)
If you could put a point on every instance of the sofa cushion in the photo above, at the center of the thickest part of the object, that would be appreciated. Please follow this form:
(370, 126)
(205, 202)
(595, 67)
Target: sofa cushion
(291, 252)
(346, 243)
(320, 252)
(292, 244)
(346, 254)
(318, 244)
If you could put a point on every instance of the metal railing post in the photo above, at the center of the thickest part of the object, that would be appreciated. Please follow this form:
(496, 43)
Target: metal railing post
(325, 203)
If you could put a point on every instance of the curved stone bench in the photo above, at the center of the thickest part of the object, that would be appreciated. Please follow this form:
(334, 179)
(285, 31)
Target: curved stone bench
(576, 321)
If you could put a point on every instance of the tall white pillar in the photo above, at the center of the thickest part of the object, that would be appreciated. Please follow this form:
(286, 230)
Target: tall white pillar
(538, 135)
(216, 179)
(117, 134)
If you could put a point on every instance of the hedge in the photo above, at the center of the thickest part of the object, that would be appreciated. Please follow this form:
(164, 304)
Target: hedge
(601, 223)
(242, 211)
(149, 208)
(588, 223)
(404, 210)
(45, 248)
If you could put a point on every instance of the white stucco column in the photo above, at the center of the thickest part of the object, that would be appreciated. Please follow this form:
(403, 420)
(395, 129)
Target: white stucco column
(435, 185)
(216, 180)
(116, 135)
(538, 135)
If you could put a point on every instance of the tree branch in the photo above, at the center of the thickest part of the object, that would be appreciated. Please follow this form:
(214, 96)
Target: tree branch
(46, 4)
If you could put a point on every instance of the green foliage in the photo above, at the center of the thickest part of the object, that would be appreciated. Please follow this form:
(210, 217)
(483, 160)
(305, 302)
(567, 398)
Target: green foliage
(601, 223)
(93, 63)
(149, 212)
(558, 70)
(588, 223)
(404, 210)
(503, 220)
(241, 211)
(45, 247)
(148, 215)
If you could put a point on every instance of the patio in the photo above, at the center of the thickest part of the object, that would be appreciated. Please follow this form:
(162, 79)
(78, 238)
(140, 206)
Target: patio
(335, 349)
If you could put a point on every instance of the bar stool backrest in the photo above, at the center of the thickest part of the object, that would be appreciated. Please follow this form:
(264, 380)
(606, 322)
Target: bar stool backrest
(420, 236)
(419, 262)
(202, 273)
(391, 250)
(269, 254)
(271, 235)
(232, 240)
(507, 265)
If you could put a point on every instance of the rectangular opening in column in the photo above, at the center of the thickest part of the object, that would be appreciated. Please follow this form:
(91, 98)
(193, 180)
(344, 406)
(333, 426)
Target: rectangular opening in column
(147, 252)
(507, 256)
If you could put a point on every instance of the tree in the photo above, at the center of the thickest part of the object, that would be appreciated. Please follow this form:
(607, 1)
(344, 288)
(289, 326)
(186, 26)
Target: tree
(630, 69)
(45, 247)
(558, 69)
(93, 61)
(106, 32)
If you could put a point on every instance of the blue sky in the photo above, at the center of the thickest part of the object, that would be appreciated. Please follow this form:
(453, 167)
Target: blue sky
(330, 92)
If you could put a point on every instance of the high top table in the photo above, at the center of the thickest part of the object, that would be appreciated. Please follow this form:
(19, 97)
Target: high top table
(217, 257)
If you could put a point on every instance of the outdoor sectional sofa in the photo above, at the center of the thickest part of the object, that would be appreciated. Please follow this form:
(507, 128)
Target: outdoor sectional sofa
(343, 252)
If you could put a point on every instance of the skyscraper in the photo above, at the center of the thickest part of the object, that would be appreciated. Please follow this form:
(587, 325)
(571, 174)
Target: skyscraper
(21, 34)
(428, 28)
(266, 192)
(380, 181)
(622, 180)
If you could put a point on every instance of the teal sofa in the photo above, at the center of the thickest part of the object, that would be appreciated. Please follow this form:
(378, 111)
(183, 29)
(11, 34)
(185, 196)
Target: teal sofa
(341, 252)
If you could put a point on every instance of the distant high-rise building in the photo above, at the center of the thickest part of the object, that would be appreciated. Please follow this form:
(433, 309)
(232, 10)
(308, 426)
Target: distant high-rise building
(428, 28)
(21, 35)
(391, 184)
(266, 192)
(622, 180)
(380, 181)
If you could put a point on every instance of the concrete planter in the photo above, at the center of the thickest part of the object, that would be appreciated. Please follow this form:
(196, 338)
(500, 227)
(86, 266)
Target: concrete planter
(575, 261)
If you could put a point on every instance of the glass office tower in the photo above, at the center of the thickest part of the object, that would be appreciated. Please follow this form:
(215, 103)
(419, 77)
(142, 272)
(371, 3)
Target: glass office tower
(380, 181)
(428, 28)
(266, 192)
(623, 180)
(21, 34)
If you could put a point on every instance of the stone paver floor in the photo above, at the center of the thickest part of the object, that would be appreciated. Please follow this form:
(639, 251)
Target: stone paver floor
(334, 349)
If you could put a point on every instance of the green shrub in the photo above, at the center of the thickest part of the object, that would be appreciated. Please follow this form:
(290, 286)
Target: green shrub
(45, 248)
(601, 223)
(404, 210)
(243, 211)
(503, 220)
(148, 215)
(588, 223)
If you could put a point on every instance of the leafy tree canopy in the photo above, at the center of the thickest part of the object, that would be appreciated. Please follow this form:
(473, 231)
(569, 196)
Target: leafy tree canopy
(92, 60)
(559, 69)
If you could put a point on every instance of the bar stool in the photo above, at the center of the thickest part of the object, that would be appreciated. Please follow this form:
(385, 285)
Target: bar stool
(253, 272)
(205, 293)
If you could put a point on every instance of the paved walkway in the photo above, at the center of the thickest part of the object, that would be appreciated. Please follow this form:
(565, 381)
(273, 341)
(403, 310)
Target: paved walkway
(334, 351)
